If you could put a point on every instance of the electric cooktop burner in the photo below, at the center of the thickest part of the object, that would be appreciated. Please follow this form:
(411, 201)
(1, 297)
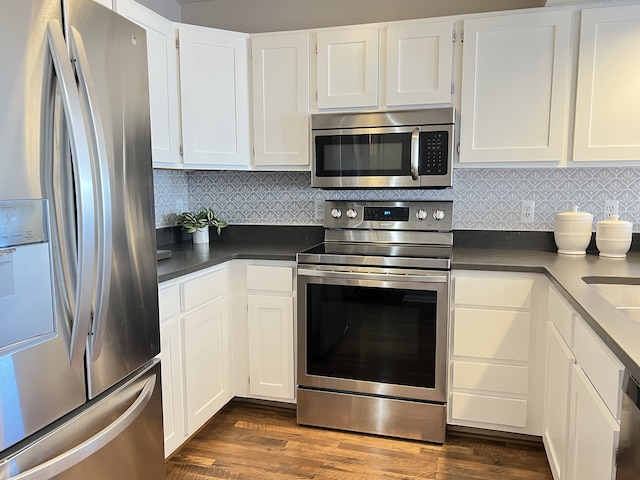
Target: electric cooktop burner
(412, 234)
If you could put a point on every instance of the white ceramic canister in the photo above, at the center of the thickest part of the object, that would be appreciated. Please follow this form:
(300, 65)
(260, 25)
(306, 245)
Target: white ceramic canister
(613, 237)
(572, 231)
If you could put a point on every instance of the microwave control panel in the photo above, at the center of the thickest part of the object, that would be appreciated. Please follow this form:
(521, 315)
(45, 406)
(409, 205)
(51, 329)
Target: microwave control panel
(434, 152)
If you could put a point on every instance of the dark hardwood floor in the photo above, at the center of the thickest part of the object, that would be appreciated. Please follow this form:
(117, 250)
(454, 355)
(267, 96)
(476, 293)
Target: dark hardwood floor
(258, 442)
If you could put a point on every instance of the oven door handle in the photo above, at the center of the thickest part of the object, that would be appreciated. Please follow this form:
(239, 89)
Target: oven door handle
(308, 272)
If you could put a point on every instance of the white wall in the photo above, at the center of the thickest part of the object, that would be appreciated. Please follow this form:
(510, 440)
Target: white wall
(257, 16)
(167, 8)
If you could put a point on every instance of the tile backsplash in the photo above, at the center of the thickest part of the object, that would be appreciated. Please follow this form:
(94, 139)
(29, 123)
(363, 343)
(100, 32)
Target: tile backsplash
(484, 199)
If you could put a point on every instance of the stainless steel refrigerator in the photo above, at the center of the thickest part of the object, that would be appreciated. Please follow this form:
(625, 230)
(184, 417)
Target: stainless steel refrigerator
(79, 386)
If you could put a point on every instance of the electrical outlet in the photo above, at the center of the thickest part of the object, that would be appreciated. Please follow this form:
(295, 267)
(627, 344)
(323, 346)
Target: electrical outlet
(319, 211)
(610, 208)
(527, 210)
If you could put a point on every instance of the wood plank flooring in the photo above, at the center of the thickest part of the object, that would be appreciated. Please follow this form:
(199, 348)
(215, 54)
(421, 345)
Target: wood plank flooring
(258, 442)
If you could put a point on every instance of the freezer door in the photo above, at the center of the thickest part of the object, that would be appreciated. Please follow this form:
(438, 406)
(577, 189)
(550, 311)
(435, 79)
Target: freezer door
(110, 58)
(116, 436)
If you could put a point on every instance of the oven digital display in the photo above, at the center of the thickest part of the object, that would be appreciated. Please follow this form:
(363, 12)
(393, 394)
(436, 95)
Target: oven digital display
(393, 214)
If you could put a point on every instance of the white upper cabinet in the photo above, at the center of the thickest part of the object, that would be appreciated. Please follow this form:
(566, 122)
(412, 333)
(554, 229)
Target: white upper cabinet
(419, 63)
(608, 93)
(163, 82)
(281, 100)
(515, 87)
(214, 97)
(347, 68)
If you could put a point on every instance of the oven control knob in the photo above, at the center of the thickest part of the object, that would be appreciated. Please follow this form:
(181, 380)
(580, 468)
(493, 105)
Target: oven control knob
(351, 213)
(421, 214)
(438, 214)
(336, 212)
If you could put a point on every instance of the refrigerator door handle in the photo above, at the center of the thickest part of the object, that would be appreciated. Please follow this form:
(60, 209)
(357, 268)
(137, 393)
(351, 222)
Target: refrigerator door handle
(83, 185)
(72, 457)
(103, 190)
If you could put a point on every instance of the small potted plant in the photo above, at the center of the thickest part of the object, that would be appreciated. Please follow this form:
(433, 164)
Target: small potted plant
(198, 224)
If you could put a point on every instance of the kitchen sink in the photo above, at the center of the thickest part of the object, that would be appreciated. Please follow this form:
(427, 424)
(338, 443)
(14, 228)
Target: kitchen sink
(621, 292)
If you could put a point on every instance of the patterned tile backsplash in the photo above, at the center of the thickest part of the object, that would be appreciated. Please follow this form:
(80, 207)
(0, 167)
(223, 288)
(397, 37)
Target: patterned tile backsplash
(484, 199)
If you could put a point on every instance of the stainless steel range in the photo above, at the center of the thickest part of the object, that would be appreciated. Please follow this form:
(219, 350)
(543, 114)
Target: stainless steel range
(373, 303)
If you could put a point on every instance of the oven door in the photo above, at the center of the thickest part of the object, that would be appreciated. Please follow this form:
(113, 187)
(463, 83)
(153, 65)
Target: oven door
(373, 331)
(383, 157)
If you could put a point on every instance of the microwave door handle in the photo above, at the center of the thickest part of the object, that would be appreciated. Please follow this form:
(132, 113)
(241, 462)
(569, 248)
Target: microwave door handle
(415, 153)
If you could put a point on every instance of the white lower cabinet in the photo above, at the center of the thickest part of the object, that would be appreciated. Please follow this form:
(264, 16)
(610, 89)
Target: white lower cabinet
(195, 352)
(560, 361)
(270, 346)
(171, 365)
(206, 362)
(263, 329)
(496, 351)
(593, 433)
(583, 394)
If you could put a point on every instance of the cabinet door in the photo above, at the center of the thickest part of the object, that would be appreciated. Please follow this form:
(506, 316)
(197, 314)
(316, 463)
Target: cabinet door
(593, 433)
(206, 362)
(559, 367)
(172, 392)
(347, 68)
(281, 100)
(608, 97)
(491, 334)
(419, 63)
(271, 346)
(215, 97)
(163, 82)
(515, 88)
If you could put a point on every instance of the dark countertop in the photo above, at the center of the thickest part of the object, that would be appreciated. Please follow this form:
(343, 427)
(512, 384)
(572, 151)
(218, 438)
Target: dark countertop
(256, 242)
(188, 258)
(619, 331)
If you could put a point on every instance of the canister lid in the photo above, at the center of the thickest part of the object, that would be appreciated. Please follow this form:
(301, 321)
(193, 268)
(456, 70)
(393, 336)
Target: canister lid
(614, 222)
(573, 214)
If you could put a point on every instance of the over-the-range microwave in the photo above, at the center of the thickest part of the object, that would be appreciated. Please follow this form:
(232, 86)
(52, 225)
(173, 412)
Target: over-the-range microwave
(393, 149)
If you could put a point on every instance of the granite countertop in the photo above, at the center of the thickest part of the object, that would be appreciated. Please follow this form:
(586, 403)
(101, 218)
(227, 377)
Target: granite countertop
(619, 331)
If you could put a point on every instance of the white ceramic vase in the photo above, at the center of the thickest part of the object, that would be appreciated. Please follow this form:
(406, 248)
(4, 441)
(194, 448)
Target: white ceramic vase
(201, 235)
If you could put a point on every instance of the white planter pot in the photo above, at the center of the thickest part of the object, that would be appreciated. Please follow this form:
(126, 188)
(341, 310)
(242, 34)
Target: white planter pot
(201, 235)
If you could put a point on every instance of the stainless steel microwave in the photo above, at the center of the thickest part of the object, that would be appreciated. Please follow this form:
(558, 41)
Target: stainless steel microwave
(394, 149)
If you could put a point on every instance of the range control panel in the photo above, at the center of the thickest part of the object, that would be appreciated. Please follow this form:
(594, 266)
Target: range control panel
(431, 216)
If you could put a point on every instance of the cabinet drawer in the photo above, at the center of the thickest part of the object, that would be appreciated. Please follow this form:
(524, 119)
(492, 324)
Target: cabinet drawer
(601, 366)
(493, 292)
(168, 301)
(486, 409)
(493, 378)
(202, 289)
(561, 314)
(274, 279)
(495, 334)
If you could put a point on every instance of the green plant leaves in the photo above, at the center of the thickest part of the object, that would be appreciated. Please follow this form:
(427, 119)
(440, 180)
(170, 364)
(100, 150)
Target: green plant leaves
(205, 217)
